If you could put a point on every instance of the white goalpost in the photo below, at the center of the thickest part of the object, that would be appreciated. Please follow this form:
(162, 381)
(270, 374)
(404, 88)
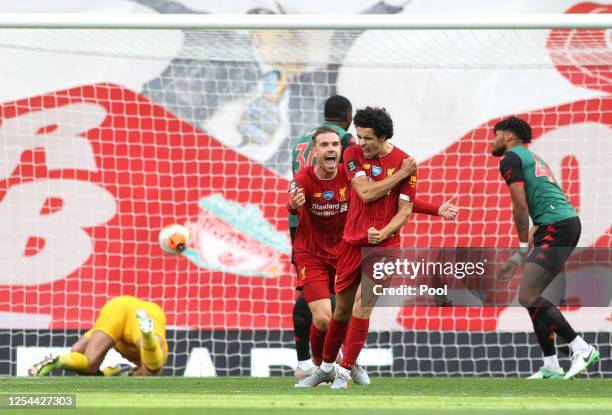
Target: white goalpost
(113, 126)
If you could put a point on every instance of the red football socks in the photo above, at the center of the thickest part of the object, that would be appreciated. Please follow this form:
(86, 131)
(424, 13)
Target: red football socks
(355, 339)
(317, 338)
(333, 340)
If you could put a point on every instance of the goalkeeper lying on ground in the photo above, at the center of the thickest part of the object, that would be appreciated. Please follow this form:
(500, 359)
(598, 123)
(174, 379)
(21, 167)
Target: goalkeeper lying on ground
(135, 328)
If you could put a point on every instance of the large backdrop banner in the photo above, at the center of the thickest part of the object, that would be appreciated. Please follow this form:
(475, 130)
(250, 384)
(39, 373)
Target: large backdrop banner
(102, 144)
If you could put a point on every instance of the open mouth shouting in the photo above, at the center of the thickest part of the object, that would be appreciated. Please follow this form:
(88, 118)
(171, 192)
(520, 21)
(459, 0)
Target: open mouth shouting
(331, 160)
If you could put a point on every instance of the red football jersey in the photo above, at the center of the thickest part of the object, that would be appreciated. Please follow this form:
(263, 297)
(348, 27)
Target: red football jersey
(322, 218)
(377, 214)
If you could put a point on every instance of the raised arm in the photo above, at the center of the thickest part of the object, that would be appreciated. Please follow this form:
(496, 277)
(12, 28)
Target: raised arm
(297, 194)
(395, 224)
(371, 191)
(447, 210)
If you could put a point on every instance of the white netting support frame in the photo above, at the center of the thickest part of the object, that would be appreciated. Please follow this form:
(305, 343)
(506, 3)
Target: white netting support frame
(526, 37)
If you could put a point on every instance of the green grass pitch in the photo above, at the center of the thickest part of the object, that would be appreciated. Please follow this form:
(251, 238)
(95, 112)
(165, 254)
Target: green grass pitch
(270, 396)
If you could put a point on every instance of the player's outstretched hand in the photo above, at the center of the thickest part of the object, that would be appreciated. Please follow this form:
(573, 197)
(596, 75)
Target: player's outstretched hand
(297, 198)
(408, 167)
(448, 210)
(506, 272)
(375, 236)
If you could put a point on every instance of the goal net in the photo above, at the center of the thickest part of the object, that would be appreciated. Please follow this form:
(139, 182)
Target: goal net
(111, 134)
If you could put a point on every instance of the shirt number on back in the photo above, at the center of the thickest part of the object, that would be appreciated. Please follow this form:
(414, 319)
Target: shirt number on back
(302, 147)
(542, 170)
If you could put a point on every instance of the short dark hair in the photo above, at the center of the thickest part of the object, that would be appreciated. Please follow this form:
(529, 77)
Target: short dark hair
(377, 119)
(336, 108)
(520, 128)
(322, 130)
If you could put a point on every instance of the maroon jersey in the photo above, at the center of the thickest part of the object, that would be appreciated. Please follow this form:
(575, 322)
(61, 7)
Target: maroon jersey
(322, 218)
(377, 214)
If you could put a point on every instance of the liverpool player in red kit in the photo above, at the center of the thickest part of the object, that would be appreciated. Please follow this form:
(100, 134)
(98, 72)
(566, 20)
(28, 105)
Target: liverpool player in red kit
(383, 187)
(321, 192)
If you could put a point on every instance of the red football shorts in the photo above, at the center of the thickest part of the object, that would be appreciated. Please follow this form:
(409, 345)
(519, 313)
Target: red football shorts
(315, 277)
(348, 270)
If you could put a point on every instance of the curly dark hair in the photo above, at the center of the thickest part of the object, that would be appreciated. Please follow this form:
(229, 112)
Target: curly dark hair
(377, 119)
(520, 128)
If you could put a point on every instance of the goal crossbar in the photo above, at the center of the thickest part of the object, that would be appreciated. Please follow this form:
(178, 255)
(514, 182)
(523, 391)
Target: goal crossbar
(304, 22)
